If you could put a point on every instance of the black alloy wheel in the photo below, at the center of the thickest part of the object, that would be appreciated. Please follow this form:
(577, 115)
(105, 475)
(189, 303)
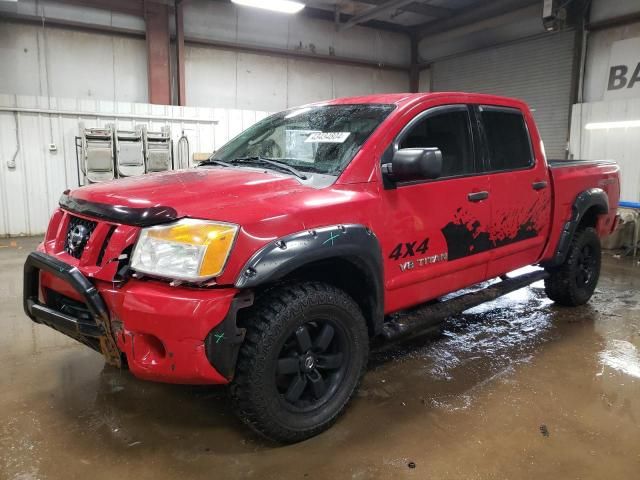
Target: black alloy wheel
(302, 359)
(311, 364)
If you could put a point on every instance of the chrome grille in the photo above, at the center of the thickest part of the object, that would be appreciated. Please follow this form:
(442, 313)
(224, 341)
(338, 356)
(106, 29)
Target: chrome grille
(79, 232)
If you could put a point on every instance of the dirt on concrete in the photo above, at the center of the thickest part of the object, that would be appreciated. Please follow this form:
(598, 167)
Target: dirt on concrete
(515, 389)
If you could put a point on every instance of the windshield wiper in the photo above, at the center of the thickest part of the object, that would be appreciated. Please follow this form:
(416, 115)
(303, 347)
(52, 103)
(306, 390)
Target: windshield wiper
(214, 161)
(274, 163)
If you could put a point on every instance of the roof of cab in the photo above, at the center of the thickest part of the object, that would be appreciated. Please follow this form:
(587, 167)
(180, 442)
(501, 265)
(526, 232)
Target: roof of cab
(404, 98)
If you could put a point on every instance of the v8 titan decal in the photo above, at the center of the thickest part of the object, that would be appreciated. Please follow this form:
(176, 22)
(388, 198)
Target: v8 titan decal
(466, 236)
(421, 262)
(409, 249)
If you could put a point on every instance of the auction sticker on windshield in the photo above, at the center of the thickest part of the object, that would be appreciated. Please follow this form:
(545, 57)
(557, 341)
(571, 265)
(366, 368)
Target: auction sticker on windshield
(327, 137)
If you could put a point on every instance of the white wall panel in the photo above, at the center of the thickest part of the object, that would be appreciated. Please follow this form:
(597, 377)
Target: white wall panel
(386, 81)
(30, 192)
(217, 78)
(619, 144)
(308, 82)
(262, 82)
(69, 63)
(598, 55)
(211, 77)
(19, 48)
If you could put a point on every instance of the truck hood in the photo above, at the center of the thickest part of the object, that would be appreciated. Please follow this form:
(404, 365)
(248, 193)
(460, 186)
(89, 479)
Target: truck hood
(218, 193)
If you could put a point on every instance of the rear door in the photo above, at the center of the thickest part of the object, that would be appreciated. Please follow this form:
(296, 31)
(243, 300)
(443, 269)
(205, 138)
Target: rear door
(433, 227)
(520, 190)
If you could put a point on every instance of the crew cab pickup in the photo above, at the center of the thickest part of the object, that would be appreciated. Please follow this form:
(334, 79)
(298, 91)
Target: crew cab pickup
(274, 265)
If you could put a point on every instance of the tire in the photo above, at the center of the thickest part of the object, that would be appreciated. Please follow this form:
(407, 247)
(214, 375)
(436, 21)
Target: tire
(573, 283)
(303, 357)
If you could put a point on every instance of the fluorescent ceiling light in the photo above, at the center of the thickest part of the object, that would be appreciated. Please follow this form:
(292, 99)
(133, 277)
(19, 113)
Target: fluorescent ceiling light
(608, 125)
(282, 6)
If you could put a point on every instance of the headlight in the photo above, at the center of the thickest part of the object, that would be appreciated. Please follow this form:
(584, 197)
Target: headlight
(188, 249)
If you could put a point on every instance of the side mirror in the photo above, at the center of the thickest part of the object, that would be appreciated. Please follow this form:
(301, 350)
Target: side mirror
(414, 164)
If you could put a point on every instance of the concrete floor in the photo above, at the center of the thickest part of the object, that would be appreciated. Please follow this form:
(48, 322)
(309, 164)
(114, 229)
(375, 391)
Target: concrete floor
(514, 389)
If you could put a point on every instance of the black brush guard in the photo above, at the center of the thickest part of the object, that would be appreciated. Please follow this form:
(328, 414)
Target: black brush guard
(99, 330)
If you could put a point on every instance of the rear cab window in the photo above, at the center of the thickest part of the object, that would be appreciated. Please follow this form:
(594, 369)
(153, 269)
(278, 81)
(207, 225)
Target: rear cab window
(506, 139)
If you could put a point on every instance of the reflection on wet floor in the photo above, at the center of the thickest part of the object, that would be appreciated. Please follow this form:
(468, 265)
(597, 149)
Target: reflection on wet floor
(517, 388)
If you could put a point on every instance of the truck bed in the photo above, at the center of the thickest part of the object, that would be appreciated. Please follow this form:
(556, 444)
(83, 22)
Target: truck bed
(577, 163)
(570, 178)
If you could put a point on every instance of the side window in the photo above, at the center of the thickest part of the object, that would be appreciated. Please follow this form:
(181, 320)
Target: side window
(507, 139)
(450, 131)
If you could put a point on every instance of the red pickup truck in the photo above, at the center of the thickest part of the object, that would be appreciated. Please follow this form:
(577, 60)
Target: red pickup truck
(275, 264)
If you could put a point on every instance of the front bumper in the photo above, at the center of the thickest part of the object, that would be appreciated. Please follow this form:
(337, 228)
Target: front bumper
(93, 328)
(167, 334)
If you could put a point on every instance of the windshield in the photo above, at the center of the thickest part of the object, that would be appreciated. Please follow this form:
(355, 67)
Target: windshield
(320, 139)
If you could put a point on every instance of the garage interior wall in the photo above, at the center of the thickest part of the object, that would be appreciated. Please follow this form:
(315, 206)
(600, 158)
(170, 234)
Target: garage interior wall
(537, 70)
(84, 69)
(74, 64)
(61, 62)
(30, 190)
(595, 129)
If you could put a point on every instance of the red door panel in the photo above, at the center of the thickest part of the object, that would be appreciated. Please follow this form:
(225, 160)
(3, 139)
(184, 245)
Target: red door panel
(520, 220)
(439, 214)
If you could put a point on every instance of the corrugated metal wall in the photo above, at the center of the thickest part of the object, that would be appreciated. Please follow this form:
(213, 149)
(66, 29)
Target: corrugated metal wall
(538, 70)
(30, 191)
(596, 136)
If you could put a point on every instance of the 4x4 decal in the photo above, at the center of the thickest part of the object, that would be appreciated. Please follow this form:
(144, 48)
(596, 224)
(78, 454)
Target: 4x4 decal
(409, 249)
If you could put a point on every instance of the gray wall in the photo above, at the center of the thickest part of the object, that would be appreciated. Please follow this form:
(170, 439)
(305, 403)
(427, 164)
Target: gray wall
(219, 78)
(250, 26)
(60, 62)
(66, 63)
(537, 70)
(608, 9)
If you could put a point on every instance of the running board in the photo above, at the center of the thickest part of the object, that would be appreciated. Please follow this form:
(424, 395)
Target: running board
(428, 316)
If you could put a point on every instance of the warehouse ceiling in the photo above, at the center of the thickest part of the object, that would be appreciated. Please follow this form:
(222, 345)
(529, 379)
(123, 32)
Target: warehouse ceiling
(410, 16)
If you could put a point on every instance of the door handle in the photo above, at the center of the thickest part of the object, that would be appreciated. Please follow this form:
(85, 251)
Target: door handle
(539, 185)
(477, 196)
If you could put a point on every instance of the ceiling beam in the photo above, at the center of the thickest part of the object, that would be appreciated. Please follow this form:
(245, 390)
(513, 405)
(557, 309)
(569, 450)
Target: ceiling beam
(131, 7)
(328, 15)
(375, 12)
(511, 16)
(471, 15)
(418, 7)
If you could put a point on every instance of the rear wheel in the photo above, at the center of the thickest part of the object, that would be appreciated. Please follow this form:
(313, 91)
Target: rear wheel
(304, 354)
(574, 282)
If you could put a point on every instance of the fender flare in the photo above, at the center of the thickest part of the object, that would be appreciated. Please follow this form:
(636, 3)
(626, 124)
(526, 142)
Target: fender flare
(351, 242)
(591, 198)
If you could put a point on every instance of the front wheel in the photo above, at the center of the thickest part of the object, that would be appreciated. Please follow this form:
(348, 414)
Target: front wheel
(303, 357)
(574, 282)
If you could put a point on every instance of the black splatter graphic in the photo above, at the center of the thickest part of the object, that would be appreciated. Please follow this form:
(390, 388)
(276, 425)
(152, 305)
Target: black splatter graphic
(464, 240)
(465, 235)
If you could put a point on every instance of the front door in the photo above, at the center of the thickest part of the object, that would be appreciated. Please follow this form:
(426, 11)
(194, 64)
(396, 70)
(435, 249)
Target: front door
(435, 228)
